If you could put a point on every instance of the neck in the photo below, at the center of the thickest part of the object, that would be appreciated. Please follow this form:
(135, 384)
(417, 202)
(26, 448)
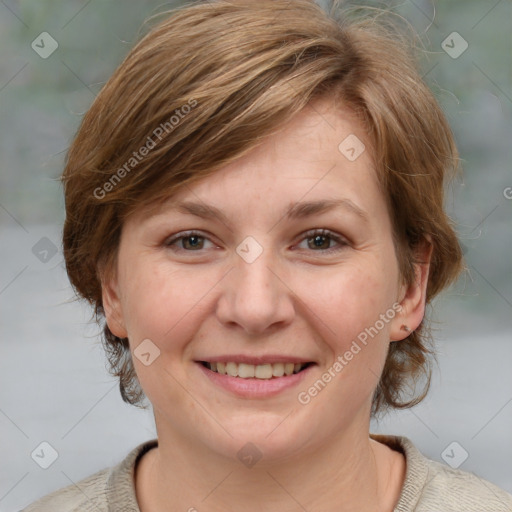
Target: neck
(350, 473)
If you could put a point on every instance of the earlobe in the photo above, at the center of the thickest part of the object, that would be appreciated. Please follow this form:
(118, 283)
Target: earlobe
(112, 307)
(414, 297)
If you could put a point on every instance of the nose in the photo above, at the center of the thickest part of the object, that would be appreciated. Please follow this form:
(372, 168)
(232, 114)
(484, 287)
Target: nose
(255, 297)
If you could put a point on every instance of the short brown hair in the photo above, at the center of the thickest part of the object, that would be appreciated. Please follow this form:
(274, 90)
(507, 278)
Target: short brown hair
(213, 80)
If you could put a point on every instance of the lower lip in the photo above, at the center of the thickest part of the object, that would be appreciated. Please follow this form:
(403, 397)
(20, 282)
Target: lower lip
(255, 388)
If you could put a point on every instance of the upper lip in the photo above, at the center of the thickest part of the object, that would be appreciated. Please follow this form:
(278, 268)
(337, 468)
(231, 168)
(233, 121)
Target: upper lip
(255, 360)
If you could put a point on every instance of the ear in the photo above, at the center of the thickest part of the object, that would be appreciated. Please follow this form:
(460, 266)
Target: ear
(413, 296)
(112, 304)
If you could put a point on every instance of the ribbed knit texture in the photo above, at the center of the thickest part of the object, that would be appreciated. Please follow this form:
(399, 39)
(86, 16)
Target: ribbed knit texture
(429, 486)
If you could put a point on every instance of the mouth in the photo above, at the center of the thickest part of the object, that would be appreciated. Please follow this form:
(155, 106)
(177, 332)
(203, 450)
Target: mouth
(255, 377)
(265, 371)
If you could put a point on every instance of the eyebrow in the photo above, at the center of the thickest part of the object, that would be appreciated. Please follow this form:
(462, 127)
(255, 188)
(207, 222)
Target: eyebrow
(298, 210)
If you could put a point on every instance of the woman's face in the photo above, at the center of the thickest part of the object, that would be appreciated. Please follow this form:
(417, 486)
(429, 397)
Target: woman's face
(252, 272)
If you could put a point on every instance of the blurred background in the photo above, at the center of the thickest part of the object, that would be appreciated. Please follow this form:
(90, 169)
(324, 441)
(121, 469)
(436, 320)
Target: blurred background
(55, 57)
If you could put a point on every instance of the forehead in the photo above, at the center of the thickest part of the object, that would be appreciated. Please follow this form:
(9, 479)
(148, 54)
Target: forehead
(321, 154)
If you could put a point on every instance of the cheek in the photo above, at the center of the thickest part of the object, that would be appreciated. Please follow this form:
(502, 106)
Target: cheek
(163, 302)
(348, 306)
(351, 297)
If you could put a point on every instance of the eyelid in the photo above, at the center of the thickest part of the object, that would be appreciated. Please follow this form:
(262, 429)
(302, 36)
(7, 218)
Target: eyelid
(185, 234)
(339, 239)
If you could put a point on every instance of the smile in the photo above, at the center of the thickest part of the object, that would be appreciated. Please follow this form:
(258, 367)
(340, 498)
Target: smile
(251, 371)
(255, 377)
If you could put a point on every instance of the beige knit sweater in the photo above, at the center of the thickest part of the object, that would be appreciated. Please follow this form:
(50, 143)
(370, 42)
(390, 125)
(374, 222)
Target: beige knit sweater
(429, 486)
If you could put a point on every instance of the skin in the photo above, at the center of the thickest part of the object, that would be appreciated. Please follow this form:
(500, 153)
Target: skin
(293, 299)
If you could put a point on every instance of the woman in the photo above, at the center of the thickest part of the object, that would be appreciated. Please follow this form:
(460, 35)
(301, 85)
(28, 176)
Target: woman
(255, 211)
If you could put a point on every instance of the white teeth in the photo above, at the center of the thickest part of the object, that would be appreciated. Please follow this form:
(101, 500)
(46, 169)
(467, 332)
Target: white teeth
(246, 371)
(260, 371)
(263, 371)
(278, 370)
(232, 369)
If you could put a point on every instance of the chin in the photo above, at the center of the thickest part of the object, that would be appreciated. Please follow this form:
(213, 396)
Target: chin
(270, 438)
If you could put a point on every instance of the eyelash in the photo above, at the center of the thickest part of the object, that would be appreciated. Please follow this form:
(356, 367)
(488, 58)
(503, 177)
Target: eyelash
(342, 242)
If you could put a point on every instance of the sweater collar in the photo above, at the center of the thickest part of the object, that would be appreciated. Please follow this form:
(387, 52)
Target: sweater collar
(121, 479)
(416, 472)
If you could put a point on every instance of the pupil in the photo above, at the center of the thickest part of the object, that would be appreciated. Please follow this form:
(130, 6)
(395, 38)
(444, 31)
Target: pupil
(193, 240)
(319, 240)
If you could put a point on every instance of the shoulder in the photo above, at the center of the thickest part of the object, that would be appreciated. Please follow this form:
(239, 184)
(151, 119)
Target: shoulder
(431, 486)
(111, 487)
(88, 494)
(458, 490)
